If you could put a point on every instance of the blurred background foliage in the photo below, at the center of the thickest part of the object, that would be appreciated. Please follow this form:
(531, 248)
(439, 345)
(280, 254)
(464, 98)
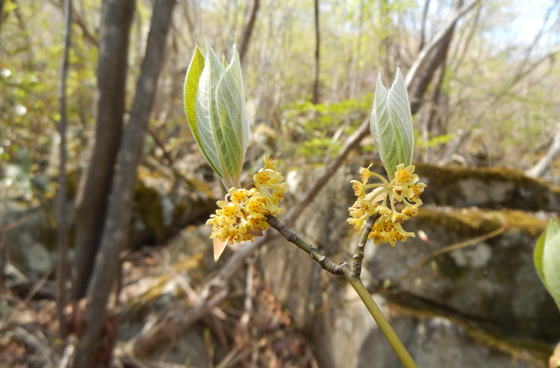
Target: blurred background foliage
(498, 91)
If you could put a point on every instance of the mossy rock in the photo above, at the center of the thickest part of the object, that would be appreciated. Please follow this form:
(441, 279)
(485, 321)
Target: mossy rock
(166, 201)
(488, 293)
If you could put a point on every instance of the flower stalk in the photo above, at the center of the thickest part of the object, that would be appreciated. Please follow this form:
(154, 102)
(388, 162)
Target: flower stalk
(354, 279)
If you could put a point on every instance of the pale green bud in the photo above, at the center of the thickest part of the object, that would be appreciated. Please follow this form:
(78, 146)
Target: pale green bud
(391, 124)
(215, 108)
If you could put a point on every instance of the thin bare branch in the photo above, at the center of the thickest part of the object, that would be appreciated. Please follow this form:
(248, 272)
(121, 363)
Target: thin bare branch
(248, 31)
(544, 163)
(424, 55)
(62, 218)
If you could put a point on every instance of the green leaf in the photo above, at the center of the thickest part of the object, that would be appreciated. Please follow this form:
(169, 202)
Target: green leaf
(547, 258)
(219, 114)
(206, 117)
(547, 235)
(538, 254)
(391, 124)
(200, 133)
(230, 100)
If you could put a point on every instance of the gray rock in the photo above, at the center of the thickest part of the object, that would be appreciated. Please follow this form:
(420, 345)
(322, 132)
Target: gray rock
(479, 306)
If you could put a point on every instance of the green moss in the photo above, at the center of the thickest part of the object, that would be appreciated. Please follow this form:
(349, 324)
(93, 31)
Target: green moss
(532, 351)
(472, 221)
(535, 194)
(72, 181)
(148, 205)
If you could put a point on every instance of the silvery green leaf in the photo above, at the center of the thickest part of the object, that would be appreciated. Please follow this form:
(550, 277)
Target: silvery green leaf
(551, 230)
(547, 258)
(217, 115)
(207, 119)
(391, 124)
(194, 72)
(230, 100)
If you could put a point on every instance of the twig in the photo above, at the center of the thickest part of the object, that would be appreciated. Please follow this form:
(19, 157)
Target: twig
(354, 280)
(329, 266)
(16, 223)
(426, 51)
(62, 216)
(359, 253)
(160, 144)
(150, 336)
(37, 287)
(449, 249)
(3, 249)
(68, 353)
(248, 303)
(544, 163)
(321, 181)
(380, 319)
(76, 18)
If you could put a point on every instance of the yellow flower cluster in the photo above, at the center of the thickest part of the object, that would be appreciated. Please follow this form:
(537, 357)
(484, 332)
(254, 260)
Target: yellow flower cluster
(404, 188)
(242, 215)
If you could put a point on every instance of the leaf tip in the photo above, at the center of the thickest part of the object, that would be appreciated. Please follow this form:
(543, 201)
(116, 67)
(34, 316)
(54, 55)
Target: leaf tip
(219, 247)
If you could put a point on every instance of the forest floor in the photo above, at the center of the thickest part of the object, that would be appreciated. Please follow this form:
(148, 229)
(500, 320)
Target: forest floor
(243, 333)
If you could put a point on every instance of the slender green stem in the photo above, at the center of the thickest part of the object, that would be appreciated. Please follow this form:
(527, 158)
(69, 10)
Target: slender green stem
(329, 266)
(359, 253)
(380, 319)
(353, 277)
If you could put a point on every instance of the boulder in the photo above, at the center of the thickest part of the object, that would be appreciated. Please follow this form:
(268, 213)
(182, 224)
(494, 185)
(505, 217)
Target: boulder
(482, 305)
(165, 201)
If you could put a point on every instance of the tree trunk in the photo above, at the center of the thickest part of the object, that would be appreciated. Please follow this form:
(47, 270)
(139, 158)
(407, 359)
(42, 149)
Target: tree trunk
(120, 208)
(95, 185)
(315, 98)
(1, 14)
(438, 58)
(62, 219)
(423, 56)
(248, 31)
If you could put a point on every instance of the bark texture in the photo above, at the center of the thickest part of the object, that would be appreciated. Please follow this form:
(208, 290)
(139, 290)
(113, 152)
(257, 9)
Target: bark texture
(118, 217)
(62, 218)
(438, 58)
(248, 31)
(95, 184)
(315, 98)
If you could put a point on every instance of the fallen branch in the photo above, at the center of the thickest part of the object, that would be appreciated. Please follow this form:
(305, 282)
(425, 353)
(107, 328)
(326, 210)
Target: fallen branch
(544, 163)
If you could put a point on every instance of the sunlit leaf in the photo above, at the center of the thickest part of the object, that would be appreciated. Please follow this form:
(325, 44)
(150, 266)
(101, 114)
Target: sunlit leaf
(230, 100)
(547, 258)
(201, 133)
(219, 247)
(206, 117)
(391, 124)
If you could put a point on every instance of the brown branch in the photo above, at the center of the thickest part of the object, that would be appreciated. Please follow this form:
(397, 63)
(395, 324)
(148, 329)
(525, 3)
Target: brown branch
(438, 58)
(147, 339)
(423, 29)
(449, 249)
(88, 36)
(322, 180)
(544, 163)
(248, 32)
(315, 98)
(62, 218)
(326, 264)
(120, 207)
(79, 21)
(423, 56)
(1, 14)
(160, 144)
(3, 248)
(359, 253)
